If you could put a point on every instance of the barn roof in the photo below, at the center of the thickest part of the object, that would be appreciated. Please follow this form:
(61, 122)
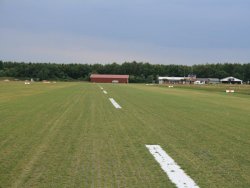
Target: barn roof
(108, 76)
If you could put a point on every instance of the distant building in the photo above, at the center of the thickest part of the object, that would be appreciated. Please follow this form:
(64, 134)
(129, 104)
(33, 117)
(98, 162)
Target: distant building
(213, 80)
(208, 80)
(199, 82)
(191, 79)
(231, 80)
(172, 80)
(192, 76)
(109, 78)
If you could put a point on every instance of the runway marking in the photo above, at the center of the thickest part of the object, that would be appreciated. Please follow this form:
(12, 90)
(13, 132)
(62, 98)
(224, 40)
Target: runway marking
(116, 105)
(171, 168)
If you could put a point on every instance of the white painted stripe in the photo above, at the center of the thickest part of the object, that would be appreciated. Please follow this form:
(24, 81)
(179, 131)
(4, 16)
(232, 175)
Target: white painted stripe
(101, 88)
(116, 105)
(172, 169)
(105, 92)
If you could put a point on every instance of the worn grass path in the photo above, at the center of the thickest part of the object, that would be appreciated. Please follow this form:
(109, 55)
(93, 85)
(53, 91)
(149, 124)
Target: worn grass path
(70, 135)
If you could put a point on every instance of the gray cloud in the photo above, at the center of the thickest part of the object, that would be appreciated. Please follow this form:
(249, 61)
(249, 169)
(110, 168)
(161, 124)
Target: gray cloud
(174, 31)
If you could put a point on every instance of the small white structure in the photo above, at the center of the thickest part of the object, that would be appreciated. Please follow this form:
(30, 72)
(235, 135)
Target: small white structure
(229, 91)
(46, 81)
(199, 82)
(208, 80)
(171, 80)
(115, 81)
(231, 80)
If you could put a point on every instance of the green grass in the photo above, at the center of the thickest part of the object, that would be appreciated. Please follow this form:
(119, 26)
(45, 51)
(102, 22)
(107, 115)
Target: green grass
(70, 135)
(240, 89)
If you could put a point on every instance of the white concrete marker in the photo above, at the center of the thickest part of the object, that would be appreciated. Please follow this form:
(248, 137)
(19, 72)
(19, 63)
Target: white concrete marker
(172, 169)
(105, 92)
(229, 91)
(116, 105)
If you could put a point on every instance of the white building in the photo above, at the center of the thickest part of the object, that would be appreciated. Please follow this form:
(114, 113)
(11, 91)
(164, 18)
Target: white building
(231, 80)
(172, 80)
(199, 82)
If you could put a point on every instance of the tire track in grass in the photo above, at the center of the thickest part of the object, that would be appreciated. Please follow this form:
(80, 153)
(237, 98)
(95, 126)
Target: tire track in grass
(180, 154)
(137, 176)
(25, 139)
(139, 173)
(22, 109)
(120, 180)
(42, 148)
(152, 130)
(86, 161)
(55, 166)
(142, 173)
(192, 129)
(116, 171)
(113, 165)
(77, 168)
(93, 166)
(91, 163)
(110, 175)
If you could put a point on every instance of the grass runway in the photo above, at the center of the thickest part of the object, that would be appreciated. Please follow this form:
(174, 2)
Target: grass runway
(70, 135)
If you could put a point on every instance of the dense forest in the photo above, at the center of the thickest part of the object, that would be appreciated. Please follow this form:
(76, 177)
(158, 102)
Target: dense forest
(139, 72)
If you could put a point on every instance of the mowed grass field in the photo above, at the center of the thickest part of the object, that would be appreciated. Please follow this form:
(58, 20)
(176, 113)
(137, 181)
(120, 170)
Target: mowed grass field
(70, 135)
(238, 88)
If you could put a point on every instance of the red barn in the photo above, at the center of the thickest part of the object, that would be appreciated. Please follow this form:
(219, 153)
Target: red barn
(109, 78)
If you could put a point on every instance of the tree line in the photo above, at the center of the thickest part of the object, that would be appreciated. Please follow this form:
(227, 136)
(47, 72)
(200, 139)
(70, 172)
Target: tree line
(139, 72)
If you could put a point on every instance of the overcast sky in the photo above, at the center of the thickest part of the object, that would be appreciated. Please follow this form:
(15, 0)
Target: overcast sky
(105, 31)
